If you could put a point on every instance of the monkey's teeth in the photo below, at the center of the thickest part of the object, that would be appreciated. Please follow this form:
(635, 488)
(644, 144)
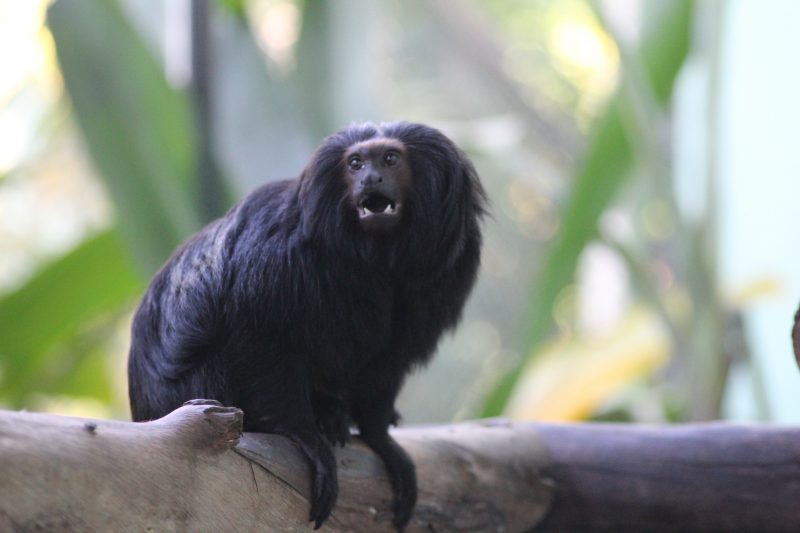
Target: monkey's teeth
(364, 211)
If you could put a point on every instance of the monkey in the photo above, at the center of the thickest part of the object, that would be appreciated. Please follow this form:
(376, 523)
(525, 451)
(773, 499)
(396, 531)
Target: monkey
(311, 300)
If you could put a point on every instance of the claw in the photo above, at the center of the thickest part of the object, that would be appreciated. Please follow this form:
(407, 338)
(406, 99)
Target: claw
(324, 488)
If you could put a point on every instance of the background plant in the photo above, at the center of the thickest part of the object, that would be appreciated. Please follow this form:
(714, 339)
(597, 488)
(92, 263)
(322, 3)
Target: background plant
(567, 118)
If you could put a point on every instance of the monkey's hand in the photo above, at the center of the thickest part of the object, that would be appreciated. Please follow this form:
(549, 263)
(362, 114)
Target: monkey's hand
(324, 484)
(402, 474)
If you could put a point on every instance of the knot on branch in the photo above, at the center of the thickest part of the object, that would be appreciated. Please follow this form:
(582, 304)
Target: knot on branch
(206, 425)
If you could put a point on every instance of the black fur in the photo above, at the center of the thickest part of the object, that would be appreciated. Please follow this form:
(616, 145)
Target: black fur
(288, 309)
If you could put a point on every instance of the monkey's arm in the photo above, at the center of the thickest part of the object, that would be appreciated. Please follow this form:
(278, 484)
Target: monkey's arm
(373, 410)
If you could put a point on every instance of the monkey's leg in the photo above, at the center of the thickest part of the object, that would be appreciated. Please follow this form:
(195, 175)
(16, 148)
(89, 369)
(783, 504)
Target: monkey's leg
(287, 411)
(374, 412)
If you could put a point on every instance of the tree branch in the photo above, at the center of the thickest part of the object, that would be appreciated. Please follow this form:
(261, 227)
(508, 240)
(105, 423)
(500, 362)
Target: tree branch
(190, 471)
(691, 477)
(180, 473)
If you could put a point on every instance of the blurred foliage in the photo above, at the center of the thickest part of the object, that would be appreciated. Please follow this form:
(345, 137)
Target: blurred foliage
(57, 306)
(138, 130)
(516, 83)
(569, 378)
(606, 165)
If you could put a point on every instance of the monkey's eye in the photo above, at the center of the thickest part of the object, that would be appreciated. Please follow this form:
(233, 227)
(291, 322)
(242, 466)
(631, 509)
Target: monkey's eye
(355, 163)
(391, 158)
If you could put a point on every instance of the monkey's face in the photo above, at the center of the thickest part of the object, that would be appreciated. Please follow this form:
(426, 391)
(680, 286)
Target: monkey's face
(378, 172)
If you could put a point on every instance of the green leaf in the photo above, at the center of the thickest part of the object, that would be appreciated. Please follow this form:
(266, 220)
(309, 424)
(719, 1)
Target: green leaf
(95, 278)
(236, 7)
(138, 130)
(86, 375)
(605, 168)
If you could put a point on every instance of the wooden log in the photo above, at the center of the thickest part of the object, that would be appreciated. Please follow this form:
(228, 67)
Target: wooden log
(696, 477)
(190, 472)
(185, 472)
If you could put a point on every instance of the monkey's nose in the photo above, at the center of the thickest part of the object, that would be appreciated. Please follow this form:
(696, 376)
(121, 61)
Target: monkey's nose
(371, 180)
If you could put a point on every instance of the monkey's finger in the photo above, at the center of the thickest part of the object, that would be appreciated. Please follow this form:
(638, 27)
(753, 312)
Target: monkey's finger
(323, 495)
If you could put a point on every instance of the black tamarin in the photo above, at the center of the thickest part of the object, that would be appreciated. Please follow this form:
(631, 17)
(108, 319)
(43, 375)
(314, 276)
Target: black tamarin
(309, 302)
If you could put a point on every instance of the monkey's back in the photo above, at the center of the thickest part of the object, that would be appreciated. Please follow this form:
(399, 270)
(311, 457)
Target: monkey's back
(187, 319)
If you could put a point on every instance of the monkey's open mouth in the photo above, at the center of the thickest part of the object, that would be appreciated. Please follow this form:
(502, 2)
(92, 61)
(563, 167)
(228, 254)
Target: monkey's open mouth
(376, 204)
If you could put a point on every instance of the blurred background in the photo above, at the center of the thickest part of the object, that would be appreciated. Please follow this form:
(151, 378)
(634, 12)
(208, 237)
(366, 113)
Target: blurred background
(641, 263)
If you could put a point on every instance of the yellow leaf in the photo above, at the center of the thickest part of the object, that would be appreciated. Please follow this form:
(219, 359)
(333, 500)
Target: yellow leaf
(755, 291)
(571, 378)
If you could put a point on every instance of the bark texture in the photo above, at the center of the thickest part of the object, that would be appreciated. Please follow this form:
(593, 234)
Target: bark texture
(193, 471)
(190, 471)
(691, 478)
